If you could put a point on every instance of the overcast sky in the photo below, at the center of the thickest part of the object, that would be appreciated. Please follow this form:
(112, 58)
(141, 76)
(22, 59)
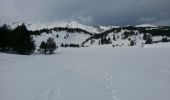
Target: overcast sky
(91, 12)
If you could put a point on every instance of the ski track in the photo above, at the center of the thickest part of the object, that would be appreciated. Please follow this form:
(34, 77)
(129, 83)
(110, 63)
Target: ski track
(49, 90)
(52, 91)
(107, 76)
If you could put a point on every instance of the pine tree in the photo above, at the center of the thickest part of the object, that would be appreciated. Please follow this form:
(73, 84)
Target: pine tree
(92, 41)
(57, 36)
(164, 39)
(99, 42)
(43, 48)
(149, 40)
(132, 43)
(62, 45)
(4, 31)
(145, 36)
(23, 41)
(51, 45)
(109, 41)
(114, 37)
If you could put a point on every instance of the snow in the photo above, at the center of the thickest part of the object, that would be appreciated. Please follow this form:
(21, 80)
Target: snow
(120, 41)
(157, 45)
(87, 74)
(75, 38)
(69, 24)
(108, 27)
(79, 38)
(145, 25)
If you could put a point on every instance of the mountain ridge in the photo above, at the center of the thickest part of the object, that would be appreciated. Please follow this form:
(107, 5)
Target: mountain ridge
(66, 33)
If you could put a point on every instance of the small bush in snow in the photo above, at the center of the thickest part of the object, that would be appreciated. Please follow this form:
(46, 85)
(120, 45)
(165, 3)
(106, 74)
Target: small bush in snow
(132, 43)
(113, 45)
(164, 39)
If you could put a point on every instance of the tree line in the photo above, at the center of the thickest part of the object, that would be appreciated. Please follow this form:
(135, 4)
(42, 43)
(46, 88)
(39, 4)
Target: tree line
(20, 41)
(58, 29)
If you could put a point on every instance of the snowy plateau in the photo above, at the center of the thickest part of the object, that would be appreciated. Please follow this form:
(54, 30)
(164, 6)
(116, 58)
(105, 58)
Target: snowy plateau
(93, 72)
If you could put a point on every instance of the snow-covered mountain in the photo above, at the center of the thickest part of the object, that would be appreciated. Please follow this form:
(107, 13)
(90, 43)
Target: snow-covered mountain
(64, 24)
(115, 36)
(60, 31)
(146, 25)
(130, 36)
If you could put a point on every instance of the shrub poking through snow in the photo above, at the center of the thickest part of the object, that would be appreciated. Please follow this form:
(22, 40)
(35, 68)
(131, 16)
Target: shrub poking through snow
(132, 42)
(164, 39)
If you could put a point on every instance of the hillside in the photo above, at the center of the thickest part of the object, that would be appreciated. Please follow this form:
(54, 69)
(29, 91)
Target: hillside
(63, 24)
(130, 36)
(114, 35)
(73, 34)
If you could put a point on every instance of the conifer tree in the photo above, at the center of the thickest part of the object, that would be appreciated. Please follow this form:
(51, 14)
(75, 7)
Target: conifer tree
(42, 48)
(23, 41)
(51, 45)
(48, 47)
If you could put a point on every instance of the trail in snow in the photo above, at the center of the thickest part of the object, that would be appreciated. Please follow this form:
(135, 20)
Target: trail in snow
(107, 77)
(87, 76)
(55, 89)
(50, 89)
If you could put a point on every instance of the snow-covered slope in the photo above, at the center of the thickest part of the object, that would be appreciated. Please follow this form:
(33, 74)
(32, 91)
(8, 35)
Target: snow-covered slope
(62, 37)
(129, 36)
(90, 35)
(71, 24)
(105, 28)
(119, 40)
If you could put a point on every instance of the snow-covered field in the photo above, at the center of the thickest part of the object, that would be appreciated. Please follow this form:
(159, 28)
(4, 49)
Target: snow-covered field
(87, 74)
